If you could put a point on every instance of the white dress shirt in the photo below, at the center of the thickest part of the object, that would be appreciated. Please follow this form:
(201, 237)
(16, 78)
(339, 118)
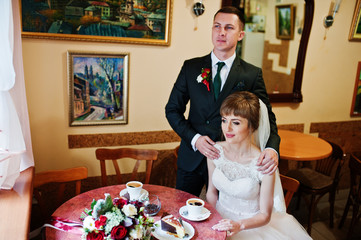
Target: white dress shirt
(224, 74)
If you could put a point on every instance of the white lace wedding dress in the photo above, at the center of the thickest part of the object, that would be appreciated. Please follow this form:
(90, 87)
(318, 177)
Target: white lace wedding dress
(239, 192)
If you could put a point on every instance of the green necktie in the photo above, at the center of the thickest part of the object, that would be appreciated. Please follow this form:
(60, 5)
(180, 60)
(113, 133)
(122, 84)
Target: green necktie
(217, 80)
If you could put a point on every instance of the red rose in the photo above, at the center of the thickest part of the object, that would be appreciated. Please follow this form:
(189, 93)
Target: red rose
(99, 235)
(118, 232)
(101, 222)
(120, 202)
(204, 75)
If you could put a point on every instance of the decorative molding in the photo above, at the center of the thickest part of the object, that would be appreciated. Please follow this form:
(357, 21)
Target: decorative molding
(121, 139)
(137, 138)
(292, 127)
(346, 133)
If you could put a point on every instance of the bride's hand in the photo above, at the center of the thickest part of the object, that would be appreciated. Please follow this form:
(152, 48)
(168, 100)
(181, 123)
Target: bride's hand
(232, 227)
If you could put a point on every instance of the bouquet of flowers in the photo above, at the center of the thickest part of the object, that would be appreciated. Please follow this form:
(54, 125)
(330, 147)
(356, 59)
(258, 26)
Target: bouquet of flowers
(116, 219)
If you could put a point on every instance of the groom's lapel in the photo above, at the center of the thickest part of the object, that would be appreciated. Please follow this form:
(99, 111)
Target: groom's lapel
(208, 64)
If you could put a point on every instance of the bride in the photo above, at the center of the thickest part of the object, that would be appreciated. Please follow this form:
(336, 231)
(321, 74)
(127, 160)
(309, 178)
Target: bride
(252, 204)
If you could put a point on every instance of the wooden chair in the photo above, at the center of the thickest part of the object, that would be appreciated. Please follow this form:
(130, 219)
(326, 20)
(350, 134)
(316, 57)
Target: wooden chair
(320, 181)
(103, 154)
(57, 176)
(290, 186)
(175, 152)
(354, 197)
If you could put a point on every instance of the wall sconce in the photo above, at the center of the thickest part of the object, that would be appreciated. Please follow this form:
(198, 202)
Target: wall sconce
(328, 20)
(198, 8)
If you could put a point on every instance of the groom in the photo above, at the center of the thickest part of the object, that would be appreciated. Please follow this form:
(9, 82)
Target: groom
(205, 83)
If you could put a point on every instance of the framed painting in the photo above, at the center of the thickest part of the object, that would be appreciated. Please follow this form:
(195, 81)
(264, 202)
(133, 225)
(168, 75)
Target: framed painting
(356, 100)
(355, 30)
(285, 19)
(98, 88)
(124, 21)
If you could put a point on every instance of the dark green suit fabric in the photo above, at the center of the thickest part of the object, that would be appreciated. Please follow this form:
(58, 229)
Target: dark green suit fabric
(204, 117)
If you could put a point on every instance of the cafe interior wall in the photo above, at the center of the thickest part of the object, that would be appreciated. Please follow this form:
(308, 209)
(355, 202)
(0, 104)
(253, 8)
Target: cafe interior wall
(327, 88)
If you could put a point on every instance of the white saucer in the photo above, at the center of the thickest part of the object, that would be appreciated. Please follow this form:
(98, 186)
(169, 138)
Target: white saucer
(124, 193)
(205, 214)
(162, 235)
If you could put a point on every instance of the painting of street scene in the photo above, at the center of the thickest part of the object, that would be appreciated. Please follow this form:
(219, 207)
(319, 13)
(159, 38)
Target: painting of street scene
(98, 88)
(134, 21)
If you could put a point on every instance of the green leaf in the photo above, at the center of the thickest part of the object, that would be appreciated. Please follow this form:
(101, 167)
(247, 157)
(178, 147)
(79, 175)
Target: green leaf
(93, 204)
(108, 202)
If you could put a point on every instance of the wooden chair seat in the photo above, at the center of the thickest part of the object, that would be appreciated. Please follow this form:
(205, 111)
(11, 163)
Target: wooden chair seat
(311, 179)
(103, 154)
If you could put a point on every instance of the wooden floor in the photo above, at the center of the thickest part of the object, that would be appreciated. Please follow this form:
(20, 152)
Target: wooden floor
(320, 226)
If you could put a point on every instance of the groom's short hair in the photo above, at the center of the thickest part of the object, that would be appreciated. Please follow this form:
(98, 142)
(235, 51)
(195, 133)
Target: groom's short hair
(232, 10)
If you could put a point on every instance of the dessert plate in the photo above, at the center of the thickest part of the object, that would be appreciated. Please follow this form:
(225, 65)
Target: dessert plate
(184, 213)
(124, 193)
(162, 235)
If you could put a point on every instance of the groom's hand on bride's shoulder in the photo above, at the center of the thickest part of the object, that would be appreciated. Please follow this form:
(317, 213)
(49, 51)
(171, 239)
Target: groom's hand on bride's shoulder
(268, 161)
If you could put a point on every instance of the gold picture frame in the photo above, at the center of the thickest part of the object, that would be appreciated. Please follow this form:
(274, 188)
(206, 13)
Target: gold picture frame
(99, 21)
(98, 88)
(285, 21)
(355, 30)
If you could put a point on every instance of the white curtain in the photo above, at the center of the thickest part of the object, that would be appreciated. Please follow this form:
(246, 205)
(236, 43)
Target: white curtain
(15, 140)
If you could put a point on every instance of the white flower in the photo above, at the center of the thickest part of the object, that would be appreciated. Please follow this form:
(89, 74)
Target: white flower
(136, 233)
(199, 78)
(114, 219)
(89, 223)
(129, 210)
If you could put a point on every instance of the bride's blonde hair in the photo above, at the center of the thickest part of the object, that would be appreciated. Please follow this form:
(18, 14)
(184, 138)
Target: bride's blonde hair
(242, 104)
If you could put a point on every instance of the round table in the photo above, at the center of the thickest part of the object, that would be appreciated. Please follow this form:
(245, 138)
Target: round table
(171, 200)
(297, 146)
(302, 147)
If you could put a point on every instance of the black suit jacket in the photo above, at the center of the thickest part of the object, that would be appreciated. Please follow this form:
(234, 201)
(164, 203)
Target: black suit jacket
(204, 117)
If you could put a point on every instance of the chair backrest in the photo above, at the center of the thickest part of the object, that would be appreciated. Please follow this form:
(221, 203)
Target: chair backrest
(325, 166)
(290, 186)
(175, 152)
(58, 176)
(355, 172)
(148, 155)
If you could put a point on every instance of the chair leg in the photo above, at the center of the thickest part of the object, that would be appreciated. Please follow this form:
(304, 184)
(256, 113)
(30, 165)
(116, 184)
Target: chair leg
(345, 212)
(311, 212)
(332, 206)
(355, 209)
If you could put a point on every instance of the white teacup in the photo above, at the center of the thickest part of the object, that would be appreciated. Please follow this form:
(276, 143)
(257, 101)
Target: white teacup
(195, 207)
(134, 189)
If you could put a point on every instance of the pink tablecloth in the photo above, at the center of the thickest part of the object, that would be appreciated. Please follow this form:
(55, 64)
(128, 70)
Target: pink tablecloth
(171, 199)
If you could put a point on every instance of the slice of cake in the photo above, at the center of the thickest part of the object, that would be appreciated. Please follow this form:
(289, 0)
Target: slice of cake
(172, 226)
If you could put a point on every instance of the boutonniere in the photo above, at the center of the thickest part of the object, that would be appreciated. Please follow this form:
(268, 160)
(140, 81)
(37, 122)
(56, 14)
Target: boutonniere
(204, 77)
